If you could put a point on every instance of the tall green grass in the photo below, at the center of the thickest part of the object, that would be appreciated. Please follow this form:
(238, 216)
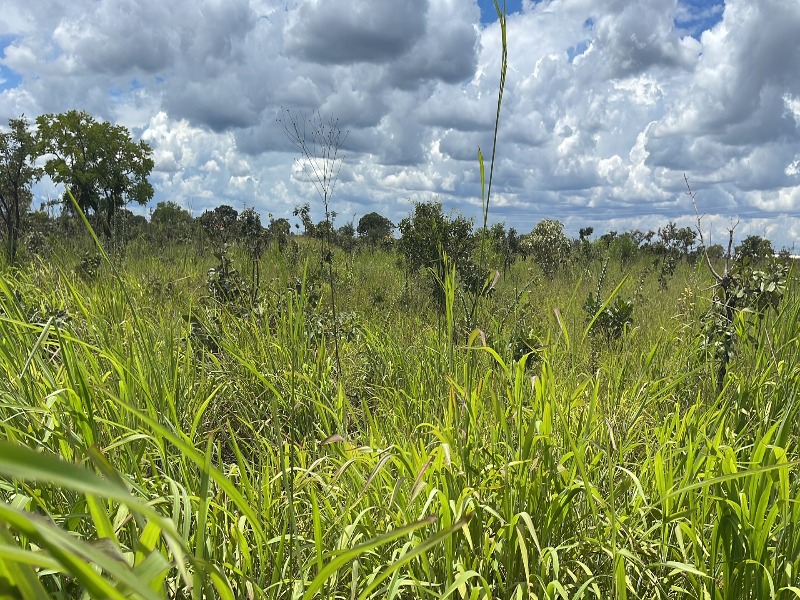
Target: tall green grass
(141, 459)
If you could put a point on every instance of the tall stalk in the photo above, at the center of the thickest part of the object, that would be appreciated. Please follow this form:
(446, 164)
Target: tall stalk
(486, 191)
(319, 144)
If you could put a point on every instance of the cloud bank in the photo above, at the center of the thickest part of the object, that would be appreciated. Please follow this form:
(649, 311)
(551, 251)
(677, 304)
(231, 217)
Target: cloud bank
(606, 105)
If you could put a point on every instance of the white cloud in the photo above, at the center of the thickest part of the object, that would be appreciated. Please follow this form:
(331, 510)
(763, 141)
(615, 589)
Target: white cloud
(606, 106)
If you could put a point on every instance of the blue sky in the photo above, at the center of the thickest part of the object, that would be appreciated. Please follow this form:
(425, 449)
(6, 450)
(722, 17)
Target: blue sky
(700, 15)
(8, 78)
(607, 103)
(489, 12)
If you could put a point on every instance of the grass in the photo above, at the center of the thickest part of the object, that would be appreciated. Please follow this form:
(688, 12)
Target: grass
(145, 457)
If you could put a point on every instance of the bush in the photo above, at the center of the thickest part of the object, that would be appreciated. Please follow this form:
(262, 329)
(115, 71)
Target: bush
(548, 246)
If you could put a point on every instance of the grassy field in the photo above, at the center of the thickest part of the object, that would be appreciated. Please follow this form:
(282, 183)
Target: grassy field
(160, 443)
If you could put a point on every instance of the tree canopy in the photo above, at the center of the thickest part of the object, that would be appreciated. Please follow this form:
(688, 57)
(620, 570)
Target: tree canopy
(97, 161)
(374, 227)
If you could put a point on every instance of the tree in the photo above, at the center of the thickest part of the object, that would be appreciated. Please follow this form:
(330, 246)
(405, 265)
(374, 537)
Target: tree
(506, 244)
(170, 220)
(427, 234)
(374, 228)
(220, 223)
(279, 231)
(686, 238)
(754, 247)
(548, 246)
(251, 233)
(97, 161)
(17, 174)
(304, 212)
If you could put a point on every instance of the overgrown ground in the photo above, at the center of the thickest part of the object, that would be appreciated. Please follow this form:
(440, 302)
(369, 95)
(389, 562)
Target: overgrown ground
(157, 442)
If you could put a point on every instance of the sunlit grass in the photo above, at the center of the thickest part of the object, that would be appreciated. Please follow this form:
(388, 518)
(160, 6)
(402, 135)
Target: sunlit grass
(140, 459)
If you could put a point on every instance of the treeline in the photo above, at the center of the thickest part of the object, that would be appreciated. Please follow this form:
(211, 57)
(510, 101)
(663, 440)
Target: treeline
(105, 170)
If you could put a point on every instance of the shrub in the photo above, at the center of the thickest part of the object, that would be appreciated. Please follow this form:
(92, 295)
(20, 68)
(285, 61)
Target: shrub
(548, 246)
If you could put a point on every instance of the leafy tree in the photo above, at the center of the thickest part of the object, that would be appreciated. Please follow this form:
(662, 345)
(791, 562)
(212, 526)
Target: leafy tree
(17, 174)
(220, 223)
(686, 238)
(304, 213)
(624, 247)
(607, 238)
(715, 251)
(279, 231)
(97, 161)
(170, 220)
(251, 233)
(507, 244)
(128, 225)
(754, 247)
(548, 246)
(346, 237)
(427, 234)
(324, 230)
(374, 228)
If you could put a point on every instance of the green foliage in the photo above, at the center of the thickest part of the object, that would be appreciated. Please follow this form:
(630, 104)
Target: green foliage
(97, 161)
(89, 267)
(741, 299)
(251, 234)
(428, 235)
(754, 247)
(171, 222)
(548, 246)
(224, 283)
(304, 213)
(18, 173)
(609, 317)
(506, 244)
(188, 444)
(624, 248)
(279, 232)
(220, 224)
(374, 228)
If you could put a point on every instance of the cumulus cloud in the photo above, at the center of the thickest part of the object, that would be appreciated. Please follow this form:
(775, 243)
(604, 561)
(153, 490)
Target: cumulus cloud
(347, 31)
(606, 105)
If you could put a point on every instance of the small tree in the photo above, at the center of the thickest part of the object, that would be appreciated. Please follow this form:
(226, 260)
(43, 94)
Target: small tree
(220, 223)
(374, 228)
(170, 221)
(548, 246)
(427, 235)
(278, 231)
(253, 237)
(304, 213)
(97, 162)
(17, 174)
(739, 289)
(755, 247)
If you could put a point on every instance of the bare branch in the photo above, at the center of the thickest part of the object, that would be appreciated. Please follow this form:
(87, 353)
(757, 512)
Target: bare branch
(691, 194)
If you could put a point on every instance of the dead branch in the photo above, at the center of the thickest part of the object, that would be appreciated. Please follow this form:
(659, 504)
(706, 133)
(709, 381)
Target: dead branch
(691, 194)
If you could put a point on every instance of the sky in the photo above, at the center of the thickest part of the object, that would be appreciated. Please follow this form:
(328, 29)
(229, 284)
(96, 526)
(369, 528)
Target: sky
(607, 104)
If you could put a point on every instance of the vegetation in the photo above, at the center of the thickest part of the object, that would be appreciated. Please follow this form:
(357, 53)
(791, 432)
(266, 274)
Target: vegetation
(171, 426)
(97, 161)
(17, 173)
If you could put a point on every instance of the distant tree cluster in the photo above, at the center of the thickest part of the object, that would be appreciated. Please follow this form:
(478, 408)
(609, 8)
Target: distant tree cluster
(103, 171)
